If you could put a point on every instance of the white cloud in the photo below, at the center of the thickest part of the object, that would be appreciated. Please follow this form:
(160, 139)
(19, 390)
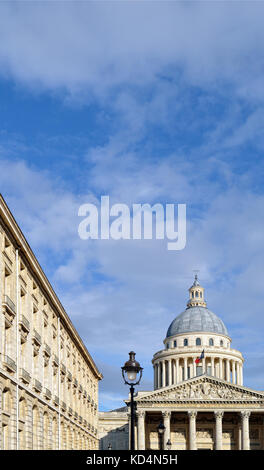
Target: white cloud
(99, 45)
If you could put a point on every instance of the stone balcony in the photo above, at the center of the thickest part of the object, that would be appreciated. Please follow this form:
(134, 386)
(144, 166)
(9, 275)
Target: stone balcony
(9, 310)
(36, 341)
(56, 401)
(9, 364)
(24, 327)
(36, 337)
(46, 349)
(24, 375)
(37, 385)
(63, 406)
(55, 360)
(47, 393)
(75, 383)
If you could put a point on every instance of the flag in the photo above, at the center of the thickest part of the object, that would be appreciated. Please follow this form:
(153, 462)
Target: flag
(198, 359)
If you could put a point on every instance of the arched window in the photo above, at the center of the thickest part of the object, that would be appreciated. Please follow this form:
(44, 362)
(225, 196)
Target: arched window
(221, 343)
(211, 342)
(196, 293)
(185, 342)
(175, 344)
(201, 294)
(167, 345)
(198, 341)
(192, 294)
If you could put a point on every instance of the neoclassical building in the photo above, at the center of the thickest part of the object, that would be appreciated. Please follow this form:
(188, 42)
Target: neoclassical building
(48, 379)
(202, 404)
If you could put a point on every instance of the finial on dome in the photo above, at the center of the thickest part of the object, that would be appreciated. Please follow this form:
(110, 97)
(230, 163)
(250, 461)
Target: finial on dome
(196, 282)
(196, 292)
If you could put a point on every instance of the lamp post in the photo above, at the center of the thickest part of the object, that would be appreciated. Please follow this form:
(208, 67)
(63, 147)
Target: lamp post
(109, 446)
(161, 430)
(132, 373)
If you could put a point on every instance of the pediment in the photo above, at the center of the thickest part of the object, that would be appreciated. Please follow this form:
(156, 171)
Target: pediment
(203, 388)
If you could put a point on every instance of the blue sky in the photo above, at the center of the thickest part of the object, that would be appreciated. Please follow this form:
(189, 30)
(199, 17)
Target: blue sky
(144, 102)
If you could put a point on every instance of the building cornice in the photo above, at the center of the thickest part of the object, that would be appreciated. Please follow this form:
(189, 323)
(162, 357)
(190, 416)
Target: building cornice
(20, 243)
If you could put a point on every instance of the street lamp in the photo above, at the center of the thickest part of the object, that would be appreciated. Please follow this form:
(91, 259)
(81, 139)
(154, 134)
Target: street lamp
(161, 430)
(132, 373)
(169, 444)
(109, 446)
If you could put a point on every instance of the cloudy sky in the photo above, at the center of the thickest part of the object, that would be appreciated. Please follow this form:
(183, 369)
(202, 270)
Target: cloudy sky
(147, 102)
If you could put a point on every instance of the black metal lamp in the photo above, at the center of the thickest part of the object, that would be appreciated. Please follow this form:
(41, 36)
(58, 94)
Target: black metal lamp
(132, 373)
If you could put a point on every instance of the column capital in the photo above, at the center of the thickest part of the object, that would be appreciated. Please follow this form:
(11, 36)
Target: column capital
(219, 414)
(192, 414)
(245, 414)
(166, 414)
(141, 413)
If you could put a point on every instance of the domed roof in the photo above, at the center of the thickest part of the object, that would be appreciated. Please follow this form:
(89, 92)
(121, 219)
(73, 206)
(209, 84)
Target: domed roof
(196, 318)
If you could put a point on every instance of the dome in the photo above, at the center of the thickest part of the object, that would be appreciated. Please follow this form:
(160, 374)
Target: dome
(196, 318)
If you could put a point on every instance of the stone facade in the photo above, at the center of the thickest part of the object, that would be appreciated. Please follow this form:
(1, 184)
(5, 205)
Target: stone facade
(114, 429)
(48, 380)
(203, 403)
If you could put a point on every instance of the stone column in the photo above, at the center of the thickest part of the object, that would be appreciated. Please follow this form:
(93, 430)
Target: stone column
(172, 371)
(159, 374)
(233, 372)
(177, 370)
(141, 429)
(218, 430)
(212, 367)
(192, 430)
(228, 370)
(185, 368)
(245, 430)
(220, 368)
(169, 372)
(163, 374)
(166, 421)
(239, 436)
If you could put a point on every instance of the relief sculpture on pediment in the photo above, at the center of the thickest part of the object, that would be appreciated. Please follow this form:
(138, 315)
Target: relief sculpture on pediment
(205, 390)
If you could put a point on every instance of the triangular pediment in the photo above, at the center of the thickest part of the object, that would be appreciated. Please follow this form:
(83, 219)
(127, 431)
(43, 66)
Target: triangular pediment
(202, 388)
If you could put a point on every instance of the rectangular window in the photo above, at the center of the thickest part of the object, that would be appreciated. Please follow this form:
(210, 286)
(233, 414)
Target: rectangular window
(199, 370)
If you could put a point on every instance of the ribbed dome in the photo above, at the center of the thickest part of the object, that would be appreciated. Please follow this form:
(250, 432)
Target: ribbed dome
(196, 319)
